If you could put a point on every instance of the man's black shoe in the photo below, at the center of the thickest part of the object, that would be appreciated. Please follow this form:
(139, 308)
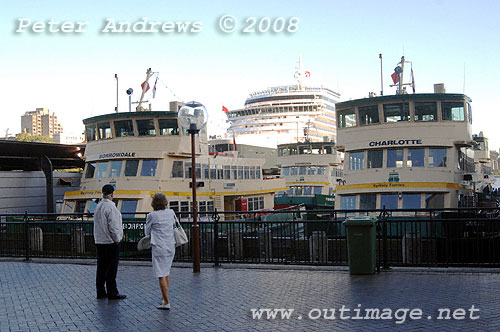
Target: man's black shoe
(102, 296)
(117, 297)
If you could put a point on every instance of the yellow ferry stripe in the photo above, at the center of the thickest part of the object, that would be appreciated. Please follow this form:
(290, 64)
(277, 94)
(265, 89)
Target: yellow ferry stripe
(146, 193)
(395, 185)
(308, 182)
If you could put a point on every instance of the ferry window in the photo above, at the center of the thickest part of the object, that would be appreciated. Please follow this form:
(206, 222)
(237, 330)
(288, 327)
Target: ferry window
(368, 115)
(311, 170)
(102, 169)
(329, 149)
(131, 167)
(90, 132)
(89, 173)
(184, 208)
(389, 201)
(395, 158)
(293, 170)
(396, 112)
(247, 172)
(206, 172)
(146, 127)
(466, 160)
(425, 111)
(411, 201)
(240, 172)
(292, 150)
(368, 201)
(80, 206)
(252, 172)
(149, 167)
(469, 113)
(174, 205)
(321, 170)
(434, 201)
(168, 127)
(437, 157)
(220, 172)
(308, 191)
(177, 169)
(222, 147)
(282, 152)
(453, 111)
(374, 158)
(317, 190)
(415, 157)
(348, 202)
(302, 170)
(128, 208)
(104, 129)
(346, 118)
(68, 206)
(286, 171)
(227, 172)
(234, 172)
(187, 172)
(124, 128)
(213, 172)
(116, 168)
(257, 172)
(356, 160)
(91, 206)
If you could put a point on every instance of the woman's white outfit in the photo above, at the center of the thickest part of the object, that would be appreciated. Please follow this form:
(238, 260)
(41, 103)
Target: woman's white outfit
(160, 225)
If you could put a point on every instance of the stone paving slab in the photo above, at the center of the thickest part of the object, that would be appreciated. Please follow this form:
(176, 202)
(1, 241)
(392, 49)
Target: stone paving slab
(61, 297)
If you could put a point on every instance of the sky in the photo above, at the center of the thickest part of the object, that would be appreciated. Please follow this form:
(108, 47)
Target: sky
(72, 73)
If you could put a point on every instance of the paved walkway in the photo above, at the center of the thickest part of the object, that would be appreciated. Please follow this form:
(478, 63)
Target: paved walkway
(61, 297)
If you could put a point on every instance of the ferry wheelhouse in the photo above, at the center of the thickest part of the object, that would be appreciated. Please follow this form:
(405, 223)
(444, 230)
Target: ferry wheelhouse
(406, 151)
(144, 152)
(284, 114)
(311, 171)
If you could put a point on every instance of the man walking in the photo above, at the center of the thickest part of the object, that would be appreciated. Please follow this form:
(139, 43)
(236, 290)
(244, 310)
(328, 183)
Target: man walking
(108, 232)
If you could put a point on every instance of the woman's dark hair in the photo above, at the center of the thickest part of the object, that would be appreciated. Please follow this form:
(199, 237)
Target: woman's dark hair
(159, 201)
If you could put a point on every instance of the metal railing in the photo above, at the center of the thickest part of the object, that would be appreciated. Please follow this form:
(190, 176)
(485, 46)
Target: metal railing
(423, 237)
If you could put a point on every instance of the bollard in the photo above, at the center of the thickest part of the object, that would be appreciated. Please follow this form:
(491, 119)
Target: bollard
(78, 240)
(318, 247)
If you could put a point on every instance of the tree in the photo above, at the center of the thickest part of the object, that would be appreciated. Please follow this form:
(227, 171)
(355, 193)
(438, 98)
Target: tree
(27, 137)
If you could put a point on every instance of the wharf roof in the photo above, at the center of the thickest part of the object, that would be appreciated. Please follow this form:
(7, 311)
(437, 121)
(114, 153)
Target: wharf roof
(26, 155)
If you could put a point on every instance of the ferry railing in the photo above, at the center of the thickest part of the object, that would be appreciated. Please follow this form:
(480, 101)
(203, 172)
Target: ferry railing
(410, 237)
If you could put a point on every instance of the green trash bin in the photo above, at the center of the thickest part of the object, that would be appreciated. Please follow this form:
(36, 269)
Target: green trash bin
(361, 237)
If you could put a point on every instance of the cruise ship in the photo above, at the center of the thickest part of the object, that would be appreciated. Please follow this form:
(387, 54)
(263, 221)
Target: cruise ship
(406, 151)
(286, 114)
(147, 151)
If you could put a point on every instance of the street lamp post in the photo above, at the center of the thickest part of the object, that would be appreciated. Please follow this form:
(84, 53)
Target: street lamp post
(193, 117)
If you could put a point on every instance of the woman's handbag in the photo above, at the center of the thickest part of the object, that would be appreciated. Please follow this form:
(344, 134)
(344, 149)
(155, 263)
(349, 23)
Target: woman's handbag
(144, 243)
(179, 234)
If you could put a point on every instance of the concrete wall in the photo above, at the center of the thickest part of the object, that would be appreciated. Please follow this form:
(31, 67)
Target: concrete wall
(25, 191)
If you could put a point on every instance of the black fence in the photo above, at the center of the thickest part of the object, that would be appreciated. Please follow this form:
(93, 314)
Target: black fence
(441, 237)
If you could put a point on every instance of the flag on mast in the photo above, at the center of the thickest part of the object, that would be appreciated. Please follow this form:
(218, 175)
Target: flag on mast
(224, 108)
(234, 142)
(154, 87)
(395, 77)
(145, 89)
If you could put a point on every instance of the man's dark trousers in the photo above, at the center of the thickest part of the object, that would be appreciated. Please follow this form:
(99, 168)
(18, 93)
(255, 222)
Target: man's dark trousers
(107, 266)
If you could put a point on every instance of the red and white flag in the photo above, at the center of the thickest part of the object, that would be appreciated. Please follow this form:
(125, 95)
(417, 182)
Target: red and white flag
(395, 77)
(145, 89)
(308, 73)
(224, 108)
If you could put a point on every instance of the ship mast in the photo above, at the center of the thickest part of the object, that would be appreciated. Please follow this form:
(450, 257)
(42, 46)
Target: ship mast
(300, 73)
(145, 87)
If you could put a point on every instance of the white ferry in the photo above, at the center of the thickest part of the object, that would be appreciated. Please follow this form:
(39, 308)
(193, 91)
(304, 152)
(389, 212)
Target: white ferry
(406, 151)
(144, 152)
(311, 171)
(285, 114)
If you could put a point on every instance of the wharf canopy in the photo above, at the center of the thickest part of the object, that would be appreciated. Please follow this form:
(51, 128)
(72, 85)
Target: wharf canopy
(406, 151)
(141, 153)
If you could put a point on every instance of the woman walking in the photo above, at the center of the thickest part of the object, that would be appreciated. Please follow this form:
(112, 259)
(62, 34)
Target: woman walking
(160, 225)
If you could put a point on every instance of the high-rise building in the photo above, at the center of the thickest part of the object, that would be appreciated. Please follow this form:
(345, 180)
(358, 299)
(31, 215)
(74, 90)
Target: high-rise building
(40, 122)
